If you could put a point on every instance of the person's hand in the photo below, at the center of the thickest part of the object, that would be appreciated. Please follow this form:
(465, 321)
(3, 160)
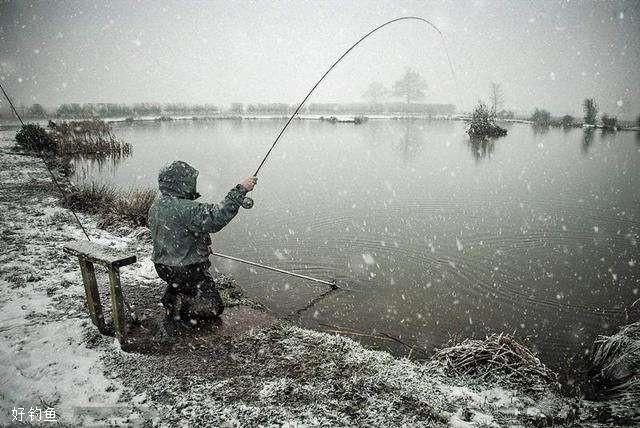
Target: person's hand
(248, 183)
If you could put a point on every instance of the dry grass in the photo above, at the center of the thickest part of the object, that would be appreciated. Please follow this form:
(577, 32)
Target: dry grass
(92, 136)
(114, 206)
(498, 357)
(616, 366)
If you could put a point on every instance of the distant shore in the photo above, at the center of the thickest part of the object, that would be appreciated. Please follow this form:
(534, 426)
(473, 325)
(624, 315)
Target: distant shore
(339, 118)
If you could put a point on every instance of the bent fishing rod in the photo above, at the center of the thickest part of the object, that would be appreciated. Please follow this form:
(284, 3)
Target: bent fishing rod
(248, 202)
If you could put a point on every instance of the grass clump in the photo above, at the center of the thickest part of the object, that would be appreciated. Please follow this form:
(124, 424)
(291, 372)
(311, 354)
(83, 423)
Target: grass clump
(499, 357)
(93, 136)
(114, 206)
(35, 137)
(615, 371)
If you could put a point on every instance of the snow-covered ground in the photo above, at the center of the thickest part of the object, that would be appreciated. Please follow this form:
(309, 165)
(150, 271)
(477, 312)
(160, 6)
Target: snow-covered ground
(266, 373)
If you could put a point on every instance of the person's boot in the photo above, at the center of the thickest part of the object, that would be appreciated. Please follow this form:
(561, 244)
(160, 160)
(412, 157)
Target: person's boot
(168, 330)
(207, 305)
(168, 327)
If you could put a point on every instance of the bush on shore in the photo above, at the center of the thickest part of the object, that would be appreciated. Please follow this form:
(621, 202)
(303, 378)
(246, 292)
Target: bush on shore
(35, 137)
(82, 137)
(113, 206)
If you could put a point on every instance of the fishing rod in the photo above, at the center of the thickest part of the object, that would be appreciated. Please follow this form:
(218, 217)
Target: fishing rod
(53, 177)
(331, 284)
(248, 202)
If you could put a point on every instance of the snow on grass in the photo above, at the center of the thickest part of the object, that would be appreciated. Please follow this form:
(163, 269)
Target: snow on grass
(51, 355)
(44, 358)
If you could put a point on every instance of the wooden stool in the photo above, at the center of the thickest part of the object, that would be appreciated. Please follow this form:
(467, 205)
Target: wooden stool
(89, 253)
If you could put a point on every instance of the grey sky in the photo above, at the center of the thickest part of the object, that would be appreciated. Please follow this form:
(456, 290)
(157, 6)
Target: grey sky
(547, 54)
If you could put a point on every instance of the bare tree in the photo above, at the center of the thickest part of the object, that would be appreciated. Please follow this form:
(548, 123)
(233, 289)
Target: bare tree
(497, 98)
(411, 87)
(376, 92)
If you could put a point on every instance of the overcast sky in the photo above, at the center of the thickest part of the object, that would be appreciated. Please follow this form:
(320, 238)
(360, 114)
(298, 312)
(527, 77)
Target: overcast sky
(549, 54)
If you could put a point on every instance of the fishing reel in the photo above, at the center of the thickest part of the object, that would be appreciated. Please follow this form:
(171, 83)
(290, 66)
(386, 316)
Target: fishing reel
(247, 203)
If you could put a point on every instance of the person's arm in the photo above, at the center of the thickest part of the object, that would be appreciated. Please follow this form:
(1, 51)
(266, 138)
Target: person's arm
(210, 218)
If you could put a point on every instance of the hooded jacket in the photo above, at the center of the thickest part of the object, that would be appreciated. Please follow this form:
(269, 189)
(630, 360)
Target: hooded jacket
(179, 225)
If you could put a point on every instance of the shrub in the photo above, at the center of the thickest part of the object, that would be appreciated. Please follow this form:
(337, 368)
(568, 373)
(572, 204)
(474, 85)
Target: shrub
(567, 121)
(35, 137)
(541, 117)
(609, 122)
(482, 124)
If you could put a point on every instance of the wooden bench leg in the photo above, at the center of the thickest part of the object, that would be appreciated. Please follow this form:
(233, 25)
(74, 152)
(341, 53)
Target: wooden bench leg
(92, 294)
(117, 306)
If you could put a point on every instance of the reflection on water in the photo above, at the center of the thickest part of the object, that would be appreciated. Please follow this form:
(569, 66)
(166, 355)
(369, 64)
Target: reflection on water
(540, 129)
(535, 240)
(481, 147)
(84, 166)
(412, 141)
(587, 139)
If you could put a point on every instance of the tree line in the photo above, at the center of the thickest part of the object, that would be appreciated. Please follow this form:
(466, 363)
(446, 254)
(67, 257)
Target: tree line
(105, 110)
(590, 109)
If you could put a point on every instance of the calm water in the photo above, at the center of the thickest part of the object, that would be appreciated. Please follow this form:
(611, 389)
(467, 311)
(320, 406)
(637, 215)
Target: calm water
(536, 234)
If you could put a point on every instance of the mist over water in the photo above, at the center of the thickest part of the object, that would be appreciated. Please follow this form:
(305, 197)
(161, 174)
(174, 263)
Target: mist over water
(534, 234)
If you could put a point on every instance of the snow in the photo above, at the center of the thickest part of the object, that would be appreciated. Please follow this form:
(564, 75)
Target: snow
(51, 354)
(44, 358)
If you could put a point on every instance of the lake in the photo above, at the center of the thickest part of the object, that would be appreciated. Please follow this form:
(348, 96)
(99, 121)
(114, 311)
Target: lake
(534, 234)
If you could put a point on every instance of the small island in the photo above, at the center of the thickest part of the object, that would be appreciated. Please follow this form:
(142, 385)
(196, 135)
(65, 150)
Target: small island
(483, 123)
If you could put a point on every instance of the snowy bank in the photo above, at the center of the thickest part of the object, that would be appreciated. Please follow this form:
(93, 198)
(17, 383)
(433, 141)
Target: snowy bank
(253, 370)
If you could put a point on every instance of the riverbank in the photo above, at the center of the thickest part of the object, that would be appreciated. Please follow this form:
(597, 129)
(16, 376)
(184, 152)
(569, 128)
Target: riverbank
(329, 117)
(51, 356)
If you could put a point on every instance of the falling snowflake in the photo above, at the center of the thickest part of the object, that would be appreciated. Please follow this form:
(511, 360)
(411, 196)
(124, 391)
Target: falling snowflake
(368, 259)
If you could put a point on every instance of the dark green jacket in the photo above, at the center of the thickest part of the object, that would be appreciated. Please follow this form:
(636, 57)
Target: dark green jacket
(179, 225)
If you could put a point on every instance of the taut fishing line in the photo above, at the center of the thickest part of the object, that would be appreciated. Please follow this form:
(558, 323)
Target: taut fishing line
(53, 177)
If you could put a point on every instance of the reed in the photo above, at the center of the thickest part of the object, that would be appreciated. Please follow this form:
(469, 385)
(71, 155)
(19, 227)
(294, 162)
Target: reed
(93, 136)
(615, 371)
(113, 206)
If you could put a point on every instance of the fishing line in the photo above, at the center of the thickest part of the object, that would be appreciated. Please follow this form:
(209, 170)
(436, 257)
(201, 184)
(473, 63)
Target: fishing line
(404, 18)
(53, 177)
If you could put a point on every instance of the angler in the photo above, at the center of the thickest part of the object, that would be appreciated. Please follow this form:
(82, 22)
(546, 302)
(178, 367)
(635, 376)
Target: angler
(180, 229)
